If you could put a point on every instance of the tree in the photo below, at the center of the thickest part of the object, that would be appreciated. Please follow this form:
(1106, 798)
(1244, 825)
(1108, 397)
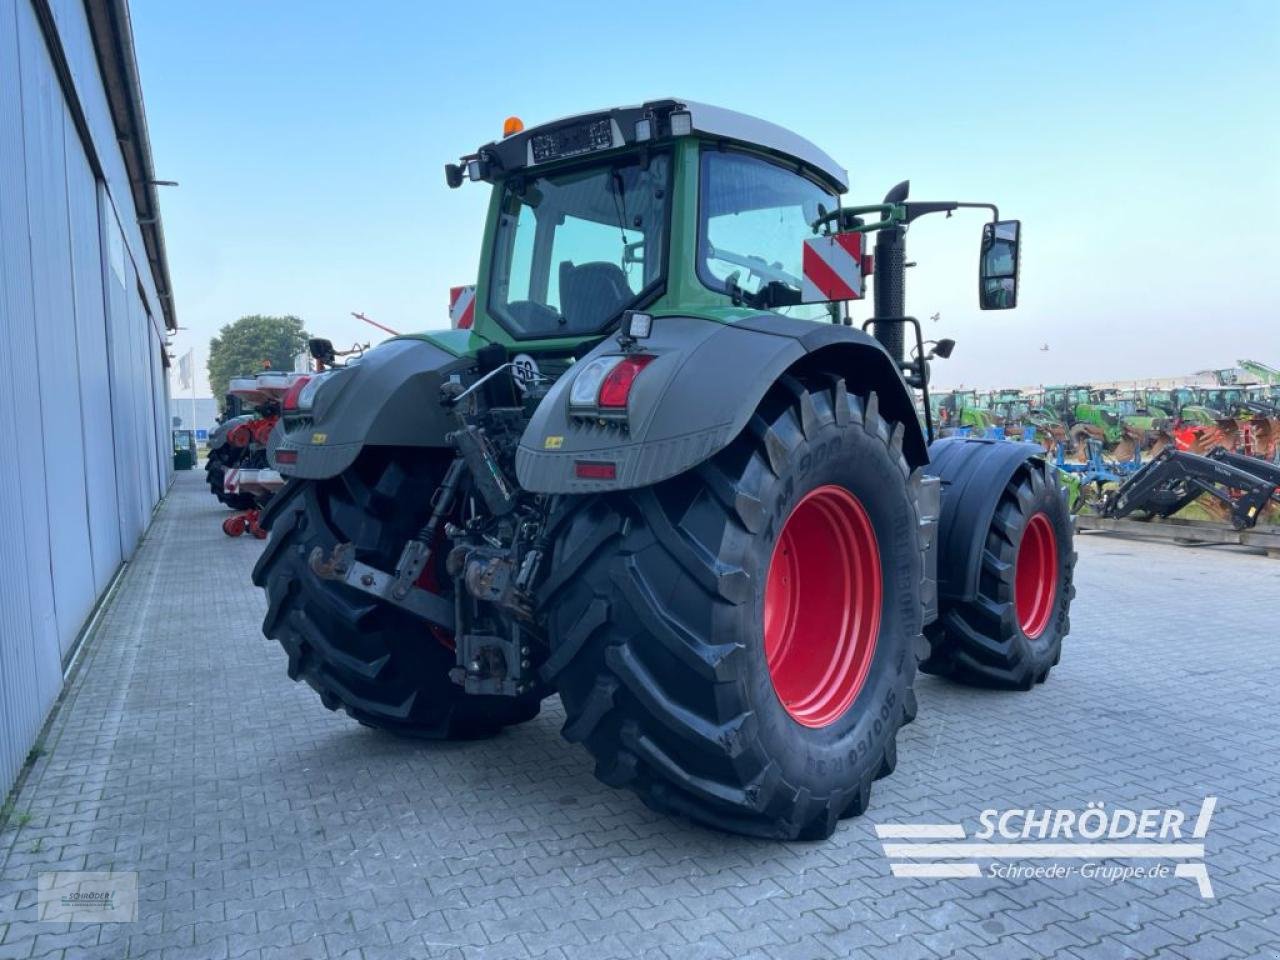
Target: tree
(244, 348)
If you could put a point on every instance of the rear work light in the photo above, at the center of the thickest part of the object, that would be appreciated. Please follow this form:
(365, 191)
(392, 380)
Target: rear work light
(604, 384)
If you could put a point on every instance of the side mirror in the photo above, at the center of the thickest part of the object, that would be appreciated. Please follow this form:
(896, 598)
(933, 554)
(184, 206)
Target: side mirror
(998, 265)
(322, 350)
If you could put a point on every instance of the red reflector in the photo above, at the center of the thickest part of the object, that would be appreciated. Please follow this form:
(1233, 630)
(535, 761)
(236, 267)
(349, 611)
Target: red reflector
(868, 264)
(286, 456)
(616, 387)
(290, 401)
(586, 470)
(462, 307)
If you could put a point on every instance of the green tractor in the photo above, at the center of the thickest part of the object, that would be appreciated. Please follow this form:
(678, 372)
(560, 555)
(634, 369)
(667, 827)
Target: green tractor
(1099, 416)
(1120, 419)
(1167, 403)
(1011, 409)
(1223, 403)
(662, 475)
(1062, 401)
(963, 408)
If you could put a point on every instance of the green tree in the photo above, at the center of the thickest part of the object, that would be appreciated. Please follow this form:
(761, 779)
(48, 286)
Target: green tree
(244, 348)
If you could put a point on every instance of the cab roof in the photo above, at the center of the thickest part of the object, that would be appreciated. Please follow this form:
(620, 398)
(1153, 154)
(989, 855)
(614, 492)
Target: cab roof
(617, 127)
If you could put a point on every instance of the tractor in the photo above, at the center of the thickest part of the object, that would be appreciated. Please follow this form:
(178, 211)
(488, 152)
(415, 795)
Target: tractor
(238, 470)
(225, 455)
(661, 473)
(964, 408)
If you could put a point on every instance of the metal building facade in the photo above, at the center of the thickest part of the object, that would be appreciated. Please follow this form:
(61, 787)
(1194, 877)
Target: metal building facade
(84, 308)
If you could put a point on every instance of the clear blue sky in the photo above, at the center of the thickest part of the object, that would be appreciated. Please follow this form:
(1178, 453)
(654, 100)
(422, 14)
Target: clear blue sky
(1138, 142)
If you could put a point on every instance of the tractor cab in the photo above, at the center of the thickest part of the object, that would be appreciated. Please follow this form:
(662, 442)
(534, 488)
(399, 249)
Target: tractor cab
(667, 207)
(1010, 405)
(679, 208)
(1224, 401)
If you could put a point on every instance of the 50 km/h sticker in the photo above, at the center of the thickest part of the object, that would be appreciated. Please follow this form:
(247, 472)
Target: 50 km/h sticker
(525, 371)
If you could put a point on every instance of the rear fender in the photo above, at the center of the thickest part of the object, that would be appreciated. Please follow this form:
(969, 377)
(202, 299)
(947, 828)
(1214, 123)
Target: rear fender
(700, 391)
(390, 398)
(974, 473)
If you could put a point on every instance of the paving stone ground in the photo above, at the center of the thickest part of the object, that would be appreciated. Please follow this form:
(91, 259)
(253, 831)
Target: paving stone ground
(263, 826)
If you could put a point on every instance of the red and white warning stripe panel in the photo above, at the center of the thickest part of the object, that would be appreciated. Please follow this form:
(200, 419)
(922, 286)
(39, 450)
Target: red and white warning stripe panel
(832, 268)
(462, 307)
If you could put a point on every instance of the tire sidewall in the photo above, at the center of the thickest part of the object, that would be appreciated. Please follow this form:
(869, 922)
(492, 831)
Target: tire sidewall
(851, 748)
(1052, 502)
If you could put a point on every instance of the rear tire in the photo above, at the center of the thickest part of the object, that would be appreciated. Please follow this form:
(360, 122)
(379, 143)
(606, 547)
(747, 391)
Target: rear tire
(384, 667)
(1011, 635)
(214, 473)
(657, 608)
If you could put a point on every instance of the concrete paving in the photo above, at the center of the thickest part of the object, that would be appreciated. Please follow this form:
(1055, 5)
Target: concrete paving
(262, 825)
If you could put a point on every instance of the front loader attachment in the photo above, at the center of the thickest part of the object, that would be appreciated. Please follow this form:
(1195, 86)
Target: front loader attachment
(1242, 485)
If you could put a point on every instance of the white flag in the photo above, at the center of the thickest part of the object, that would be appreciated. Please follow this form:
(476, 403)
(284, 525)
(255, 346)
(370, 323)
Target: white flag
(184, 369)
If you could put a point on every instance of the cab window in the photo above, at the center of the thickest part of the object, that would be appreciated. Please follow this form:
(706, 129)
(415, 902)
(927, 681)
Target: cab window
(754, 216)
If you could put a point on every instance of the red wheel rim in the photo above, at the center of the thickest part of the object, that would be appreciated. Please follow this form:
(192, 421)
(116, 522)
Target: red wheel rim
(1036, 575)
(822, 602)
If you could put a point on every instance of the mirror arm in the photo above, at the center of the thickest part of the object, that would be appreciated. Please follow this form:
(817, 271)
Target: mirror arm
(847, 219)
(919, 208)
(995, 211)
(915, 372)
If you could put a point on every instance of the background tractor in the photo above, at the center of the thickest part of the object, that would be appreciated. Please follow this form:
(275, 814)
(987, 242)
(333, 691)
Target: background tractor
(963, 408)
(225, 455)
(663, 474)
(238, 470)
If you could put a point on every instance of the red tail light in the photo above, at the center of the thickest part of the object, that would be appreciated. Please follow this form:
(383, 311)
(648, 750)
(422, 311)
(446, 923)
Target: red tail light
(616, 387)
(589, 470)
(290, 401)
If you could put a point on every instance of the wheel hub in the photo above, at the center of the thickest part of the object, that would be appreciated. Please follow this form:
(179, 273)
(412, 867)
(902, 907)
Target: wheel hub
(823, 596)
(1036, 576)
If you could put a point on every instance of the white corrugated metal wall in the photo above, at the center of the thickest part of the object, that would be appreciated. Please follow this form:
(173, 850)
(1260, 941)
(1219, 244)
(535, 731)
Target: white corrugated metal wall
(83, 396)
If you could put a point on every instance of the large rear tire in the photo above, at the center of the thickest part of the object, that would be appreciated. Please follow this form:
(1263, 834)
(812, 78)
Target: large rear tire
(1010, 636)
(383, 666)
(672, 610)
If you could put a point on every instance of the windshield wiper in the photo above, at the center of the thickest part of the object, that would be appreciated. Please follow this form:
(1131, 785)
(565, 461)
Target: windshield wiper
(620, 204)
(775, 293)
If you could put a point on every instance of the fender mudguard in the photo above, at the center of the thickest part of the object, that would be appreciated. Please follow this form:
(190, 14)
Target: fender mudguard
(974, 473)
(218, 436)
(700, 391)
(390, 398)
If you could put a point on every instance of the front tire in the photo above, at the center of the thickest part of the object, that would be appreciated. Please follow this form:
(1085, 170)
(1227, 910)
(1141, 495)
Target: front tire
(669, 610)
(384, 667)
(1010, 636)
